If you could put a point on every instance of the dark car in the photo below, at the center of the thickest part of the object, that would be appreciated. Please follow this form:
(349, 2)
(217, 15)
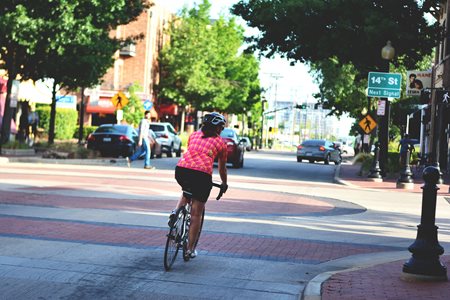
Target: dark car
(113, 140)
(235, 147)
(319, 150)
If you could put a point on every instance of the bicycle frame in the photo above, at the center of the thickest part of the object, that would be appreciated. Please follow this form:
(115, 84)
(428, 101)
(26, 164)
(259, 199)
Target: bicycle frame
(178, 236)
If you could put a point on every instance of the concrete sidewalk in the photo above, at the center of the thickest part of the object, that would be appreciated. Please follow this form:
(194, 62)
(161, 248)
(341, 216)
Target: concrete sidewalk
(379, 279)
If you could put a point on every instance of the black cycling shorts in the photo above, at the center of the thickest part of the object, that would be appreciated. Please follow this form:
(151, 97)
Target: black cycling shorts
(196, 182)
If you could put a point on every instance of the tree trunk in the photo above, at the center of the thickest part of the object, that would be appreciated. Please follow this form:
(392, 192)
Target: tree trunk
(81, 119)
(7, 113)
(51, 129)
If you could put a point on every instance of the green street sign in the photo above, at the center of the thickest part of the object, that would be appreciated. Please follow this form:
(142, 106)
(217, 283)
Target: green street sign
(386, 85)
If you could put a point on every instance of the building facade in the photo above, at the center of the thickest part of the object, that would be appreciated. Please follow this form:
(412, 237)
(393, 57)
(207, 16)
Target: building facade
(136, 63)
(439, 123)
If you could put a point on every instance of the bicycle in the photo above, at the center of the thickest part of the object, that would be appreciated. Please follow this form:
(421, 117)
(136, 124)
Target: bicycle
(179, 233)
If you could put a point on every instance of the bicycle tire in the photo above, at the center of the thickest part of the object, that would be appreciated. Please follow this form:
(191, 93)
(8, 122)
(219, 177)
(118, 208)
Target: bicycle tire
(171, 250)
(173, 241)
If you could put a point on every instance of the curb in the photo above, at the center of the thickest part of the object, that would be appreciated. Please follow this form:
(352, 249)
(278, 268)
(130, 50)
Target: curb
(313, 289)
(103, 162)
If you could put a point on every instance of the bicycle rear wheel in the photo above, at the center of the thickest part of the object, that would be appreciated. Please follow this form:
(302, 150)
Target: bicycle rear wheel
(174, 240)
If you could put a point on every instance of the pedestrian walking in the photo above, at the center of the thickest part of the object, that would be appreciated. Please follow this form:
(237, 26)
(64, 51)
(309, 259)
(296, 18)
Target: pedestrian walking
(144, 142)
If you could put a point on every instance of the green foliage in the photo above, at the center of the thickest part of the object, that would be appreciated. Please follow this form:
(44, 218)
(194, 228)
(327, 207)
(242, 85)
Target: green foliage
(314, 30)
(15, 145)
(203, 66)
(134, 110)
(73, 149)
(87, 130)
(365, 159)
(68, 41)
(343, 46)
(65, 121)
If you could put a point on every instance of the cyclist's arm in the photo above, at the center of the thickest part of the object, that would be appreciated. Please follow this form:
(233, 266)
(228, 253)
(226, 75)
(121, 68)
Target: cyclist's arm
(222, 164)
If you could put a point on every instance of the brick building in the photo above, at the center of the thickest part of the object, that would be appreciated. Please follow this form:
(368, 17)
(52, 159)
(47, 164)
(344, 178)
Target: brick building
(137, 63)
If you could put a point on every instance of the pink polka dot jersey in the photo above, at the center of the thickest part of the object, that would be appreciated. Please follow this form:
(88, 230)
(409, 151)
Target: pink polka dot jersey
(201, 152)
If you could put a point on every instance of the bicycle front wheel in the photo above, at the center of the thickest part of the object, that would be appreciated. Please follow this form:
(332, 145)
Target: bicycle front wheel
(171, 251)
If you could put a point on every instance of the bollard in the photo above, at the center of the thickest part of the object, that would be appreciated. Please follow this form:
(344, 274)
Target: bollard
(405, 180)
(375, 171)
(424, 265)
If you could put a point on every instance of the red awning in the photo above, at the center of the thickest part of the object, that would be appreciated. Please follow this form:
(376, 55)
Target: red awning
(102, 106)
(168, 109)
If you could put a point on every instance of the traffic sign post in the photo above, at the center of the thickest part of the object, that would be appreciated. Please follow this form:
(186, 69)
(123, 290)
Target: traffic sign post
(387, 85)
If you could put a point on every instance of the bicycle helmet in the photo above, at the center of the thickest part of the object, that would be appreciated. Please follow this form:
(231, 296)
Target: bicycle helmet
(214, 119)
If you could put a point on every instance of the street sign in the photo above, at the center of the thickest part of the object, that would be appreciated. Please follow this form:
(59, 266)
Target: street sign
(381, 107)
(119, 100)
(387, 85)
(367, 124)
(148, 104)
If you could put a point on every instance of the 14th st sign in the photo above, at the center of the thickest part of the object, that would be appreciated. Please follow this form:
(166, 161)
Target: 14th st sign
(384, 85)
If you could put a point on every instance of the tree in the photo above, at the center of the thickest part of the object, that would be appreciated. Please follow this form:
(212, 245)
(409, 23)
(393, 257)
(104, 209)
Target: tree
(341, 45)
(65, 40)
(134, 110)
(202, 65)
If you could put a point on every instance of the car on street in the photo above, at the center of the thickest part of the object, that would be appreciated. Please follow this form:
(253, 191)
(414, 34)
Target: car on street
(319, 150)
(156, 148)
(113, 140)
(235, 147)
(168, 137)
(345, 149)
(247, 143)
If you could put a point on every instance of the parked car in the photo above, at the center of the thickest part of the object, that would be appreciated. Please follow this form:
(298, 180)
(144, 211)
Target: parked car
(319, 150)
(156, 148)
(247, 143)
(113, 140)
(168, 137)
(235, 147)
(345, 149)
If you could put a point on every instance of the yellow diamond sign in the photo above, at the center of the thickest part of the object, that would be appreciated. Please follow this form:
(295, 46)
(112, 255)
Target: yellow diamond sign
(119, 100)
(367, 124)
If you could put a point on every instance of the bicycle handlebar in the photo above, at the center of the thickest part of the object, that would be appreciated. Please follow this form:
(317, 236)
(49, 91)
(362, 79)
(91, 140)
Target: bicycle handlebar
(221, 191)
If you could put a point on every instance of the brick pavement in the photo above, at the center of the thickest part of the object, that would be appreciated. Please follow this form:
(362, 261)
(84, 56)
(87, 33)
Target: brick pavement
(382, 281)
(211, 243)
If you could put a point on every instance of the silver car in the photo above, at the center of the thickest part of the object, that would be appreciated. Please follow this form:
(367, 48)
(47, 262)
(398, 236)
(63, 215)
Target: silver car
(319, 150)
(168, 137)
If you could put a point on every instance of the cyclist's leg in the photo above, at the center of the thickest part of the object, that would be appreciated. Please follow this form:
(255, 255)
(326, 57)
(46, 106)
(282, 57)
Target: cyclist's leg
(196, 217)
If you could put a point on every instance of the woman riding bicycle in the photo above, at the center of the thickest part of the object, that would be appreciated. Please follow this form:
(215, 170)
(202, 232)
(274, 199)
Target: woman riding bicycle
(194, 171)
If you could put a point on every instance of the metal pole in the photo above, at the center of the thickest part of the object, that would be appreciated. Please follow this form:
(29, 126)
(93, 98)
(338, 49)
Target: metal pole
(383, 136)
(424, 263)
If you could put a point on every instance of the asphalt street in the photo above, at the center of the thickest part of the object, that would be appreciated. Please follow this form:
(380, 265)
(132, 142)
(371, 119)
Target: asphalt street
(98, 231)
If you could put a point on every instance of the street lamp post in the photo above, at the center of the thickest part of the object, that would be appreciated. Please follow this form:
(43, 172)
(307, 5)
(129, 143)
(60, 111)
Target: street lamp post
(263, 103)
(387, 54)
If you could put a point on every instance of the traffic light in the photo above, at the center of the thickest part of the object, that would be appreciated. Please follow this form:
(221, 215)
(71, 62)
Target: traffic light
(300, 106)
(426, 118)
(425, 97)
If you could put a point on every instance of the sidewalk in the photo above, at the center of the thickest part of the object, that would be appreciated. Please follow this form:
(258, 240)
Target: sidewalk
(380, 280)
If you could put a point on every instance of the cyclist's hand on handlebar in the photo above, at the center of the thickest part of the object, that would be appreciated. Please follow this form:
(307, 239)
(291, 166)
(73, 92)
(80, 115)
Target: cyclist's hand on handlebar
(223, 188)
